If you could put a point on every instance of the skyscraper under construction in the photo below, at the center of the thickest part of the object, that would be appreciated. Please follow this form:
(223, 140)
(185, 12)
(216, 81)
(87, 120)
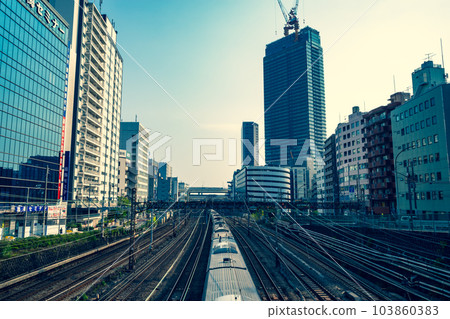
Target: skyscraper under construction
(294, 98)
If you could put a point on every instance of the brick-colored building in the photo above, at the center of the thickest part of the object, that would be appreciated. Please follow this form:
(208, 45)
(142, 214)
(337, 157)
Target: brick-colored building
(380, 155)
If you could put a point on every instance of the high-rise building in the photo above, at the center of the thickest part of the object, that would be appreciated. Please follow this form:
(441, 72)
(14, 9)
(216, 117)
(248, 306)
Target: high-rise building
(94, 99)
(294, 98)
(125, 174)
(33, 73)
(135, 139)
(153, 167)
(330, 171)
(165, 170)
(351, 157)
(421, 143)
(250, 144)
(380, 156)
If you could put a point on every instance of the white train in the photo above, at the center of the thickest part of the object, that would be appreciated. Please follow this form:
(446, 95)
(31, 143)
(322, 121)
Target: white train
(227, 277)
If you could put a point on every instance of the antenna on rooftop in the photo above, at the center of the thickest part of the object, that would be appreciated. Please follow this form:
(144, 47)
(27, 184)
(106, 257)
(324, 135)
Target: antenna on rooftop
(429, 56)
(395, 89)
(442, 53)
(101, 2)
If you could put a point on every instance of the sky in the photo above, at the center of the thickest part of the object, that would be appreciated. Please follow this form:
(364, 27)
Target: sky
(193, 70)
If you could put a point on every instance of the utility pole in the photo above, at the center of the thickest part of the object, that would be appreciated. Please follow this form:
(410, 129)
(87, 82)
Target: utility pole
(277, 260)
(44, 230)
(76, 207)
(131, 260)
(89, 208)
(173, 223)
(103, 209)
(410, 182)
(151, 229)
(248, 222)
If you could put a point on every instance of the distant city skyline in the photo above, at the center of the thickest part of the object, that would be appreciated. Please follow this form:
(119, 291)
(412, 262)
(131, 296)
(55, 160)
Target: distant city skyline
(212, 65)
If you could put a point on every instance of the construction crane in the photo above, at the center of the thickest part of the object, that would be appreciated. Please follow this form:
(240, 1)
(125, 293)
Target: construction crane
(291, 19)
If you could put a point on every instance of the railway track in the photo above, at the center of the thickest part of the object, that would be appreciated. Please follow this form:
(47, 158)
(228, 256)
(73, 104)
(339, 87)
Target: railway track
(301, 279)
(135, 285)
(184, 282)
(67, 280)
(267, 284)
(390, 269)
(102, 270)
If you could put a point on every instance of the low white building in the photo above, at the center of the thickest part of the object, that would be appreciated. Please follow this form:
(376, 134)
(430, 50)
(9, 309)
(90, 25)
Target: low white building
(262, 184)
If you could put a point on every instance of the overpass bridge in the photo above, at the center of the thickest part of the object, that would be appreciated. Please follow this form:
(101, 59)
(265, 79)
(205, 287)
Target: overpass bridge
(204, 192)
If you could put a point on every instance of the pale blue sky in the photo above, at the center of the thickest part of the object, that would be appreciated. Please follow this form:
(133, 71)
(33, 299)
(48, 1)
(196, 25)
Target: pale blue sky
(208, 56)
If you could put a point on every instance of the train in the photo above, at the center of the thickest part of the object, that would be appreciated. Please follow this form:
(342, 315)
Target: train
(227, 278)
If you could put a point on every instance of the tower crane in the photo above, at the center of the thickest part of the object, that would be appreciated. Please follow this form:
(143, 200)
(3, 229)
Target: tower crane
(291, 19)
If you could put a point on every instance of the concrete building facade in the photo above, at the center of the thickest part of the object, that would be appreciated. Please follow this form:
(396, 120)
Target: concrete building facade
(421, 143)
(351, 159)
(134, 138)
(262, 184)
(96, 93)
(380, 156)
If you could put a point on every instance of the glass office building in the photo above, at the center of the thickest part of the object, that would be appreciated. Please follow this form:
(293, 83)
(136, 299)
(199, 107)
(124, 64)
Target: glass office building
(33, 60)
(250, 144)
(294, 98)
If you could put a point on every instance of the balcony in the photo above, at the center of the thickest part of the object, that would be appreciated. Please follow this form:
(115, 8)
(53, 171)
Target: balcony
(93, 110)
(92, 130)
(90, 160)
(96, 102)
(91, 139)
(94, 91)
(86, 170)
(94, 151)
(96, 81)
(96, 39)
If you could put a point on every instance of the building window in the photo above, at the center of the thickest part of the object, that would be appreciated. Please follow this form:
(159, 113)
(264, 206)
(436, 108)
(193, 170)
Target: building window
(428, 195)
(424, 141)
(418, 144)
(419, 160)
(431, 158)
(411, 112)
(438, 176)
(436, 139)
(432, 102)
(432, 177)
(427, 105)
(421, 107)
(416, 109)
(425, 159)
(428, 122)
(422, 124)
(437, 157)
(407, 130)
(434, 120)
(433, 195)
(441, 195)
(430, 140)
(417, 126)
(411, 128)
